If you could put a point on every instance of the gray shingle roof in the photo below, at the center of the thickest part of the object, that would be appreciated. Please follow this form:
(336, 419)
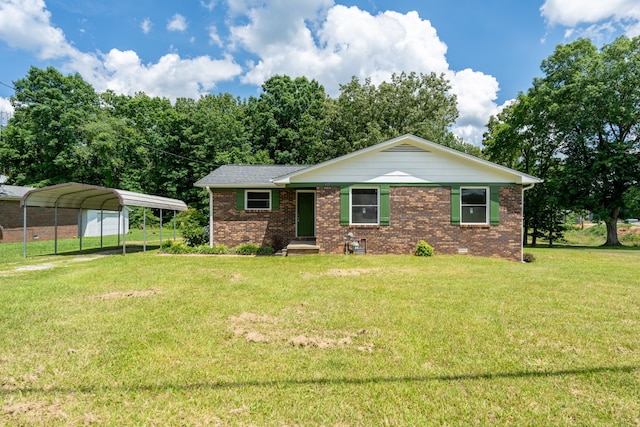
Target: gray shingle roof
(11, 192)
(238, 176)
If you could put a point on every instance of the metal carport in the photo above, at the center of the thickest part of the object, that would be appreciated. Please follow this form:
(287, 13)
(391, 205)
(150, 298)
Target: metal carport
(83, 196)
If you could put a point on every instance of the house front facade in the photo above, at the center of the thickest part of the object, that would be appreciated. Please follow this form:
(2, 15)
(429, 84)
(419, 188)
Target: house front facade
(385, 197)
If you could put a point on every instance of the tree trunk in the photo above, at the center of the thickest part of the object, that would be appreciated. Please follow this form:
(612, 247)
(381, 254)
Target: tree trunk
(612, 229)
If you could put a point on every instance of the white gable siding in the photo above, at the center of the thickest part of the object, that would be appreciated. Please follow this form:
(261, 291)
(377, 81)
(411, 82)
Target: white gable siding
(405, 166)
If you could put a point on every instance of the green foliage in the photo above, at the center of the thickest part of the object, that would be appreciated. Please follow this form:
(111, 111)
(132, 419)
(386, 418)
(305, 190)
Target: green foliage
(192, 224)
(247, 249)
(138, 217)
(423, 249)
(364, 114)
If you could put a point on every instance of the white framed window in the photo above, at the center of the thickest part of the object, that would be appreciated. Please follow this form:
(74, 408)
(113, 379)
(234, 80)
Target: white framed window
(257, 200)
(365, 205)
(474, 205)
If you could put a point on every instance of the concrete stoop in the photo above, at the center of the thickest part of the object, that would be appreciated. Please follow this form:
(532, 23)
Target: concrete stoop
(301, 247)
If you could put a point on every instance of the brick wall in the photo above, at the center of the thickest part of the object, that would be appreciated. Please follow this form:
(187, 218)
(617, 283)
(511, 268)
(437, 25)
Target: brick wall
(39, 222)
(416, 213)
(423, 213)
(233, 227)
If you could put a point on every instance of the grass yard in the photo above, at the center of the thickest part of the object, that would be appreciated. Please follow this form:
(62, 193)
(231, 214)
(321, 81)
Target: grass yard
(149, 339)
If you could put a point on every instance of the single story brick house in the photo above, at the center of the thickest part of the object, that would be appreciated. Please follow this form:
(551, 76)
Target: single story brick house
(385, 197)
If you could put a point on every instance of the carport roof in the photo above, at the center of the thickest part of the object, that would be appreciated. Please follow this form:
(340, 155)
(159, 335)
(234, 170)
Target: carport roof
(83, 196)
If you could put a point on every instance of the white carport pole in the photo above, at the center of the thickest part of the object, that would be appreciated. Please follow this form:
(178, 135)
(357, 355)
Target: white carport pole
(160, 227)
(55, 229)
(118, 221)
(24, 230)
(144, 229)
(124, 235)
(210, 216)
(101, 225)
(80, 226)
(174, 225)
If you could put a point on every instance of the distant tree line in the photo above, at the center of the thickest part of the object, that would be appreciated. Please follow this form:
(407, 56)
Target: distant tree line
(62, 130)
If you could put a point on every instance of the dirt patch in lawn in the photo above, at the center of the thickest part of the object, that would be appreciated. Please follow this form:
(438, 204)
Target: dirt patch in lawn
(49, 265)
(344, 272)
(264, 329)
(35, 412)
(127, 294)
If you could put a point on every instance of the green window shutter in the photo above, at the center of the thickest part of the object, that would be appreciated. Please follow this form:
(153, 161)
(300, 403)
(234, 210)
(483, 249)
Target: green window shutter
(344, 206)
(240, 200)
(384, 205)
(494, 207)
(275, 200)
(455, 205)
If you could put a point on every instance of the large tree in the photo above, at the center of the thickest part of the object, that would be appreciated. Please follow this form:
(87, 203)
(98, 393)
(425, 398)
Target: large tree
(592, 100)
(365, 114)
(288, 119)
(41, 143)
(521, 138)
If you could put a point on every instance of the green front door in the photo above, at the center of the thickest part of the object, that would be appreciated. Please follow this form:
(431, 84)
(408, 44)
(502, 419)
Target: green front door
(306, 215)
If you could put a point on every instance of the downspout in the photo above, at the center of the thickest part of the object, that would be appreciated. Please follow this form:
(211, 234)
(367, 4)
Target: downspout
(528, 187)
(210, 216)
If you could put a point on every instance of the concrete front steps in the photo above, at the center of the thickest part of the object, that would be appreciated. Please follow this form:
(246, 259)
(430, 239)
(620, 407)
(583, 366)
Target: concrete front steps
(301, 247)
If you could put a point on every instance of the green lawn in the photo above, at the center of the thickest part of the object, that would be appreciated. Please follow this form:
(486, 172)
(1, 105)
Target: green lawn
(149, 339)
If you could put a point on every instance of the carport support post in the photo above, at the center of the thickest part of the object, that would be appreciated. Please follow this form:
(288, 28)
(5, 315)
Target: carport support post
(144, 229)
(160, 227)
(124, 235)
(55, 229)
(80, 226)
(24, 230)
(101, 226)
(174, 226)
(210, 216)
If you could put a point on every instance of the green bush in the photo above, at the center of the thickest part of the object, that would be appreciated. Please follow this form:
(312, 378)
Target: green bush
(265, 250)
(193, 228)
(247, 249)
(528, 257)
(166, 244)
(178, 248)
(216, 250)
(423, 249)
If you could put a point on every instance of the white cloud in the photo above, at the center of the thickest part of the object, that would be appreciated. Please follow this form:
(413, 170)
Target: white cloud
(476, 93)
(172, 76)
(214, 38)
(624, 14)
(5, 107)
(332, 45)
(26, 25)
(208, 5)
(146, 25)
(177, 23)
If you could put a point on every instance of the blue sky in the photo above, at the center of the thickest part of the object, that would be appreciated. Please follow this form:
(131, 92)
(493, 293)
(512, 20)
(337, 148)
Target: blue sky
(490, 50)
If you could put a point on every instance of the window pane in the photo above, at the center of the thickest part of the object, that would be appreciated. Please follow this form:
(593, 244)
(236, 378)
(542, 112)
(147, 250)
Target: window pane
(474, 214)
(364, 205)
(258, 200)
(367, 197)
(474, 196)
(364, 215)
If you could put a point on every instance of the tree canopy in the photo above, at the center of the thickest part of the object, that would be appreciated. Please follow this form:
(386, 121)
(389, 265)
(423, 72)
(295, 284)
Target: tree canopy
(585, 116)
